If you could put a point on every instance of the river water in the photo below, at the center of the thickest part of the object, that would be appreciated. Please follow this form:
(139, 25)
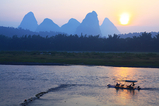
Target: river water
(76, 85)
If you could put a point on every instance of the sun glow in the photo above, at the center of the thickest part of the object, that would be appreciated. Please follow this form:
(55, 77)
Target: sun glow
(124, 18)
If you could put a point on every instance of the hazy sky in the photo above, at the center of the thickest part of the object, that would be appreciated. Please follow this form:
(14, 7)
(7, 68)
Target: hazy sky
(144, 14)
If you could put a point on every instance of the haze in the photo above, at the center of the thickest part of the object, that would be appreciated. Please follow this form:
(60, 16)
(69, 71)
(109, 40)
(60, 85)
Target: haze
(143, 13)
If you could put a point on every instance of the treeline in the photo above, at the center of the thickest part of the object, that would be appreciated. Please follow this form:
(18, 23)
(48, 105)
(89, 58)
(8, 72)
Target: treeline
(9, 31)
(153, 34)
(61, 42)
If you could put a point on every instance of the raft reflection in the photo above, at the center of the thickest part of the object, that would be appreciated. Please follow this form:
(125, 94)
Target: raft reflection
(125, 96)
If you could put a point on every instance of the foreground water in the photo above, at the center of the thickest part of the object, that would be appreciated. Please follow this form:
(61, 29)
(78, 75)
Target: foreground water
(76, 86)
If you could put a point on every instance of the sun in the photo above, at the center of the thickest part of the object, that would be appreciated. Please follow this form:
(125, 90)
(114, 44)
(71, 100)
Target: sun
(124, 18)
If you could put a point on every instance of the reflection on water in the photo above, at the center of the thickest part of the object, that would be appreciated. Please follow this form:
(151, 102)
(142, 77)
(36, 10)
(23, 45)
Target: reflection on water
(64, 83)
(126, 95)
(147, 79)
(120, 97)
(124, 73)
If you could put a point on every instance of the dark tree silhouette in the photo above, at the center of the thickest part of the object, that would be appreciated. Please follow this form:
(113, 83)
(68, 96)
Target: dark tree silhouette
(62, 42)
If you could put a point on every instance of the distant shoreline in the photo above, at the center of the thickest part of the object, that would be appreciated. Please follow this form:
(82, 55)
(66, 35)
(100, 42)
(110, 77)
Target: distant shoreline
(147, 60)
(29, 63)
(62, 64)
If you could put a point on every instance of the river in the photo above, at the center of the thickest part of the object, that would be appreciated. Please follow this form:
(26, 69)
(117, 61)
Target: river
(76, 85)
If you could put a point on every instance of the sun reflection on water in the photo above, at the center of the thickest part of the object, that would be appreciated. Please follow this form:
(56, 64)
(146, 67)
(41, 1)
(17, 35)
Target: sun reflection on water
(124, 73)
(119, 96)
(125, 96)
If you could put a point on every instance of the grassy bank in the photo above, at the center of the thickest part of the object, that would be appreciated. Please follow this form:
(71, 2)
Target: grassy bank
(86, 58)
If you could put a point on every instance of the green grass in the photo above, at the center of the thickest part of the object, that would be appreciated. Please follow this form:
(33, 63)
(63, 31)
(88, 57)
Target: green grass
(86, 58)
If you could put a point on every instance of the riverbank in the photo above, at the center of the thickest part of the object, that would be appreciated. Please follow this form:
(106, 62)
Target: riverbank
(80, 58)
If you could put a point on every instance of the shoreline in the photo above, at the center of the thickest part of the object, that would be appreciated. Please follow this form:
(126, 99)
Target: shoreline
(29, 63)
(63, 64)
(144, 60)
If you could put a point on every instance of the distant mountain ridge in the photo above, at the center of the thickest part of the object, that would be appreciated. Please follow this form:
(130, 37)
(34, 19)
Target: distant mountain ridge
(48, 25)
(108, 28)
(29, 22)
(70, 27)
(89, 25)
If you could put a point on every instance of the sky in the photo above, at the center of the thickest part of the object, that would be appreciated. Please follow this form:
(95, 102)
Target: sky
(143, 15)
